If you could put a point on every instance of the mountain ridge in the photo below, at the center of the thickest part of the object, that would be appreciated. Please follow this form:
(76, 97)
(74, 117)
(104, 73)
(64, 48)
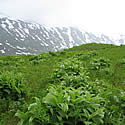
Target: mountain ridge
(18, 37)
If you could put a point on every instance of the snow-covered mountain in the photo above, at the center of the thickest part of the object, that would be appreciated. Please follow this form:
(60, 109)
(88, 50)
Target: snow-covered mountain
(20, 37)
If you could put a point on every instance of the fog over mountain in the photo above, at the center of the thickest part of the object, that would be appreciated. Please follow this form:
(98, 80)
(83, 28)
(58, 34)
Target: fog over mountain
(98, 16)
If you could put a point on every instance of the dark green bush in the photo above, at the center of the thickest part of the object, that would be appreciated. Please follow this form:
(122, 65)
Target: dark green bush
(65, 105)
(100, 63)
(76, 96)
(3, 63)
(52, 53)
(12, 85)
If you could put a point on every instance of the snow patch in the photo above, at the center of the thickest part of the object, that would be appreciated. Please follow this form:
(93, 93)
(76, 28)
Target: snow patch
(10, 24)
(47, 34)
(22, 39)
(33, 37)
(51, 42)
(10, 45)
(26, 30)
(62, 46)
(20, 33)
(20, 26)
(23, 53)
(16, 38)
(37, 37)
(58, 33)
(69, 34)
(31, 26)
(2, 51)
(70, 45)
(46, 44)
(18, 47)
(41, 44)
(38, 26)
(3, 25)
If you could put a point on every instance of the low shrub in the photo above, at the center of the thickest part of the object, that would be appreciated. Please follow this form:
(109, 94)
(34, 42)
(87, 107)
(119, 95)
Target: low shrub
(64, 105)
(52, 53)
(12, 85)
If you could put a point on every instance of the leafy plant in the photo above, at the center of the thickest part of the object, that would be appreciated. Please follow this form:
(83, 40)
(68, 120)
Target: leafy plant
(101, 63)
(11, 85)
(35, 115)
(79, 86)
(65, 105)
(52, 53)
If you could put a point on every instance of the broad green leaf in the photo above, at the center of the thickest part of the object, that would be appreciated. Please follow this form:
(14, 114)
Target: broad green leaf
(59, 117)
(50, 99)
(64, 107)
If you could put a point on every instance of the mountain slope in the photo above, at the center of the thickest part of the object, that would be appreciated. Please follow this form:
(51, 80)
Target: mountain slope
(19, 37)
(98, 69)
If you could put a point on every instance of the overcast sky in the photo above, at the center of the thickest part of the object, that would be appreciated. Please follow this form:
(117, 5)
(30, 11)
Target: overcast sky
(100, 16)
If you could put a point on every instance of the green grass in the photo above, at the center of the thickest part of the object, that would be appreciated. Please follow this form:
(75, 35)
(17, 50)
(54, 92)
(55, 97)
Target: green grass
(38, 70)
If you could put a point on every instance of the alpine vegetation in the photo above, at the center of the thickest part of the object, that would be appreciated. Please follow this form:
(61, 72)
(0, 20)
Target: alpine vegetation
(83, 85)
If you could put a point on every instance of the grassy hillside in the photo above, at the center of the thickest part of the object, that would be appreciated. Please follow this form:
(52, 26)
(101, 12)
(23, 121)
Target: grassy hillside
(81, 85)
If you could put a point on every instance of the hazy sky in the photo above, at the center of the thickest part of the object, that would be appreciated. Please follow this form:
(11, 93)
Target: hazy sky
(104, 16)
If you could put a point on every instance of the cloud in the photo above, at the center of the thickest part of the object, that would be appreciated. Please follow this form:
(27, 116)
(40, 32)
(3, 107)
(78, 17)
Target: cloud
(105, 16)
(35, 10)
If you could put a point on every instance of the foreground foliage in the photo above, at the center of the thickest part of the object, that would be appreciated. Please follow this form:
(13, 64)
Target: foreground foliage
(79, 87)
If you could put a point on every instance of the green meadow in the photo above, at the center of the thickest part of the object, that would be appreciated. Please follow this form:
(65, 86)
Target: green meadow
(83, 85)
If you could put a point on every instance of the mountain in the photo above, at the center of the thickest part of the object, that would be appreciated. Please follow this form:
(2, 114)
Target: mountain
(18, 37)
